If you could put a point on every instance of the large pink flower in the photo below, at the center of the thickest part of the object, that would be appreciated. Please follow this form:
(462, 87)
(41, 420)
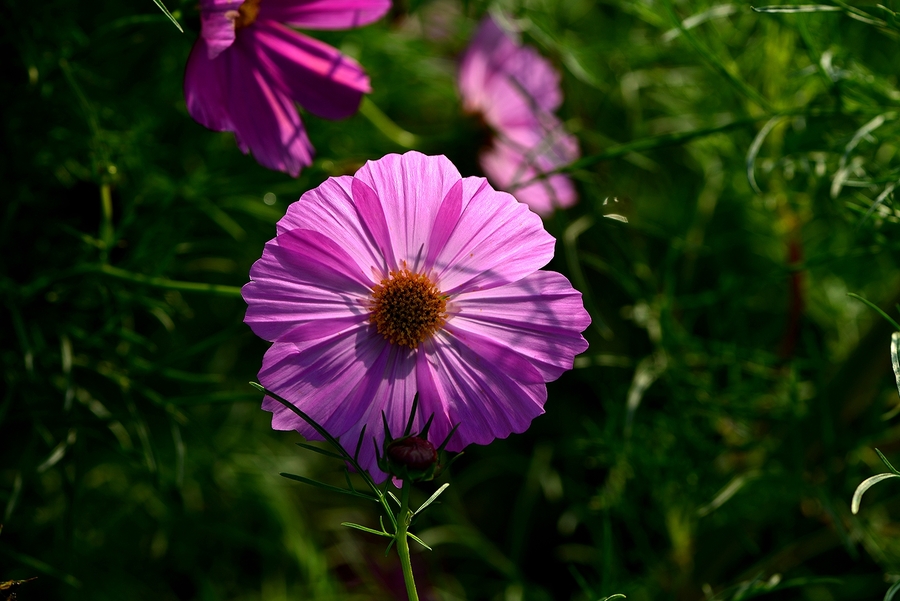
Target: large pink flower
(516, 91)
(407, 278)
(247, 69)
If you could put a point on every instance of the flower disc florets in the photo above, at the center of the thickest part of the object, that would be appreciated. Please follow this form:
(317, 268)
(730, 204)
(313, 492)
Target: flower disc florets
(247, 13)
(407, 308)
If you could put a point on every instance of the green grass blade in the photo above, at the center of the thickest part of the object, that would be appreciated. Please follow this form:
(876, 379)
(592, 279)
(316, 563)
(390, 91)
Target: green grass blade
(432, 498)
(166, 12)
(364, 529)
(866, 485)
(874, 306)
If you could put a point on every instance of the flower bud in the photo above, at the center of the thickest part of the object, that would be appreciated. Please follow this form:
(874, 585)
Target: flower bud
(412, 452)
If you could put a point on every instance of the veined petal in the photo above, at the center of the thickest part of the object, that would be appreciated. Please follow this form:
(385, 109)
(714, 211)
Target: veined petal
(540, 318)
(312, 73)
(496, 240)
(324, 14)
(204, 89)
(266, 121)
(488, 390)
(304, 287)
(330, 209)
(411, 188)
(343, 383)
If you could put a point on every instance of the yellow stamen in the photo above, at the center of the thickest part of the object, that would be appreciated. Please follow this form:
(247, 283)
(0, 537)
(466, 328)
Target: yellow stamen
(407, 308)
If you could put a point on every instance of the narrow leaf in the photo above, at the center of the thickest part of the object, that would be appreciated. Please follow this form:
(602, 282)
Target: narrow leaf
(394, 498)
(866, 485)
(412, 415)
(305, 480)
(432, 498)
(318, 450)
(892, 591)
(166, 12)
(362, 434)
(611, 597)
(799, 8)
(887, 463)
(874, 306)
(418, 540)
(364, 529)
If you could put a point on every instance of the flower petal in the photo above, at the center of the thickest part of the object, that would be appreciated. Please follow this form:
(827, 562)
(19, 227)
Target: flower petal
(330, 209)
(324, 14)
(480, 385)
(266, 121)
(204, 92)
(343, 383)
(301, 279)
(508, 166)
(540, 318)
(411, 188)
(495, 241)
(372, 215)
(312, 73)
(217, 19)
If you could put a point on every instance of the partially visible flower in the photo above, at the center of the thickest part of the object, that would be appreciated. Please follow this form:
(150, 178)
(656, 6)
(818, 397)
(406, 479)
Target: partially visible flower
(516, 91)
(248, 68)
(407, 278)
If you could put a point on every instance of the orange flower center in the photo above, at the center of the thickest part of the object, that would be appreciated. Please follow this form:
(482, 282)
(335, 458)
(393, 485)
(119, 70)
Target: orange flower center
(407, 308)
(247, 13)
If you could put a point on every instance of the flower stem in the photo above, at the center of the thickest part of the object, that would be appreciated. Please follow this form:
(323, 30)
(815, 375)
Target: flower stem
(403, 519)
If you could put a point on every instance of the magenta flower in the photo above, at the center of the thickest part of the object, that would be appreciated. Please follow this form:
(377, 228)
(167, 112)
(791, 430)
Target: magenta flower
(516, 91)
(406, 278)
(247, 69)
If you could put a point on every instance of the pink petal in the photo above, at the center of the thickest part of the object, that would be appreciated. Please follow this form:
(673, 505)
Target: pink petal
(312, 73)
(508, 166)
(324, 14)
(330, 209)
(204, 91)
(506, 82)
(217, 24)
(444, 223)
(265, 120)
(344, 383)
(540, 318)
(495, 241)
(411, 188)
(305, 287)
(488, 390)
(372, 215)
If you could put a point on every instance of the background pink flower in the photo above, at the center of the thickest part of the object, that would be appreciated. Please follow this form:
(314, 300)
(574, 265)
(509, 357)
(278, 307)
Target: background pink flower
(516, 91)
(407, 278)
(247, 69)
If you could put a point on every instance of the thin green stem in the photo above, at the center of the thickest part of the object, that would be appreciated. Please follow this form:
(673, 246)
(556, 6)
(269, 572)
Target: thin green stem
(391, 130)
(403, 518)
(167, 284)
(106, 225)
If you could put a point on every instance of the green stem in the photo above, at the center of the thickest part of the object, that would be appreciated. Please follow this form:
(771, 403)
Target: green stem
(106, 226)
(391, 130)
(403, 519)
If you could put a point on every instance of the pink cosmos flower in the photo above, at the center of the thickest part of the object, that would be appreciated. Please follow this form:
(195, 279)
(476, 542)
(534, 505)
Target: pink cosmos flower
(516, 91)
(407, 278)
(247, 69)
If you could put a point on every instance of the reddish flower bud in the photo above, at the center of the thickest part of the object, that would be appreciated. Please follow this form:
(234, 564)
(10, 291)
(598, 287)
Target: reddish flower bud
(412, 452)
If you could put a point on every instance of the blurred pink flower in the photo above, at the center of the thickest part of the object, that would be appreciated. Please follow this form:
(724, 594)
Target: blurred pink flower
(516, 90)
(248, 68)
(407, 278)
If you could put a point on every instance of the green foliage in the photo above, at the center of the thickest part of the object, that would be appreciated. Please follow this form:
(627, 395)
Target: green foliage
(708, 443)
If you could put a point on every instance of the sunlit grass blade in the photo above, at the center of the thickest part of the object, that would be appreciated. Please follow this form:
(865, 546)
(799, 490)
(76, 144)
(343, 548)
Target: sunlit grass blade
(892, 591)
(895, 357)
(753, 151)
(311, 482)
(799, 8)
(866, 485)
(166, 12)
